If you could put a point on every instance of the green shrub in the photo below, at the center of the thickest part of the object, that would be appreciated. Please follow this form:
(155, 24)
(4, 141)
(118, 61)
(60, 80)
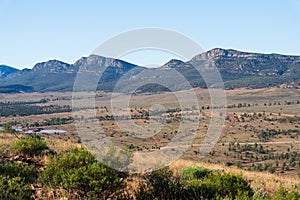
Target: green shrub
(198, 173)
(284, 194)
(78, 171)
(164, 184)
(228, 185)
(8, 128)
(14, 188)
(161, 184)
(15, 179)
(25, 171)
(195, 189)
(202, 183)
(30, 145)
(196, 183)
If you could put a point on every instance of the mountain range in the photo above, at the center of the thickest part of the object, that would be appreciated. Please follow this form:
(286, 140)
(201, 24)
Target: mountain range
(238, 69)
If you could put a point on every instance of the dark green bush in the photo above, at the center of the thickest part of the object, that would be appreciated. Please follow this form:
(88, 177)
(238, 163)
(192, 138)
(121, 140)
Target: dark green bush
(195, 189)
(14, 188)
(284, 194)
(25, 171)
(228, 185)
(15, 179)
(217, 186)
(164, 184)
(78, 171)
(30, 145)
(161, 184)
(196, 183)
(198, 173)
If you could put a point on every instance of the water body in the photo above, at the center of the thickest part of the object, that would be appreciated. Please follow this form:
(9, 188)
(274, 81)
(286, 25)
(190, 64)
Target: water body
(53, 131)
(28, 131)
(18, 129)
(48, 131)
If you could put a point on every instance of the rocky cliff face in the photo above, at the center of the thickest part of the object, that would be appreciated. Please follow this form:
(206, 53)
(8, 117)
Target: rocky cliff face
(251, 64)
(51, 66)
(218, 52)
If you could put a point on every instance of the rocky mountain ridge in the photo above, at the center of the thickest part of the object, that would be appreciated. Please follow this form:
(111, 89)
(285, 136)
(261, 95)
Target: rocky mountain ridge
(238, 69)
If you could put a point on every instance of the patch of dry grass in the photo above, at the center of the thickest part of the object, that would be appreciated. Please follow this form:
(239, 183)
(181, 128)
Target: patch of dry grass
(61, 145)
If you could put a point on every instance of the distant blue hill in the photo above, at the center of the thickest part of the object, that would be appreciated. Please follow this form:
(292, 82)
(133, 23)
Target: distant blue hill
(6, 70)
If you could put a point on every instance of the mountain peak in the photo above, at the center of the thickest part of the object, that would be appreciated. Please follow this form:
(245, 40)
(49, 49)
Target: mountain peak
(173, 63)
(51, 66)
(219, 52)
(6, 70)
(49, 63)
(96, 60)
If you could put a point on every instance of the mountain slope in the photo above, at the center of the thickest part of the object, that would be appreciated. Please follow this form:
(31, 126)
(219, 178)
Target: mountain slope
(242, 69)
(238, 69)
(55, 75)
(6, 70)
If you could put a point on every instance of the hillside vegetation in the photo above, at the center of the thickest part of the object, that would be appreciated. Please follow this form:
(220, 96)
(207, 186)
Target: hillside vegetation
(39, 173)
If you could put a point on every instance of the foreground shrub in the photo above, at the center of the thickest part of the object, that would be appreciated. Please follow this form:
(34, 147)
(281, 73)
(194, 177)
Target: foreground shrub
(14, 188)
(195, 173)
(161, 184)
(284, 194)
(30, 145)
(196, 183)
(228, 185)
(78, 171)
(217, 186)
(195, 189)
(15, 181)
(25, 171)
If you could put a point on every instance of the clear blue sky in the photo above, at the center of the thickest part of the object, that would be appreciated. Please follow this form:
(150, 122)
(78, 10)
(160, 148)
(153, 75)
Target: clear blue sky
(33, 30)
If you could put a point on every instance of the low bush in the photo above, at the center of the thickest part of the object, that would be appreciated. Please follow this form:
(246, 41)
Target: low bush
(30, 145)
(160, 184)
(284, 194)
(28, 172)
(196, 183)
(15, 181)
(228, 185)
(194, 172)
(14, 188)
(78, 171)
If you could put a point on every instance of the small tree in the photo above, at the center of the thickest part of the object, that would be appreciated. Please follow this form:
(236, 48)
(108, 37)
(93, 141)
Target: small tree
(8, 128)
